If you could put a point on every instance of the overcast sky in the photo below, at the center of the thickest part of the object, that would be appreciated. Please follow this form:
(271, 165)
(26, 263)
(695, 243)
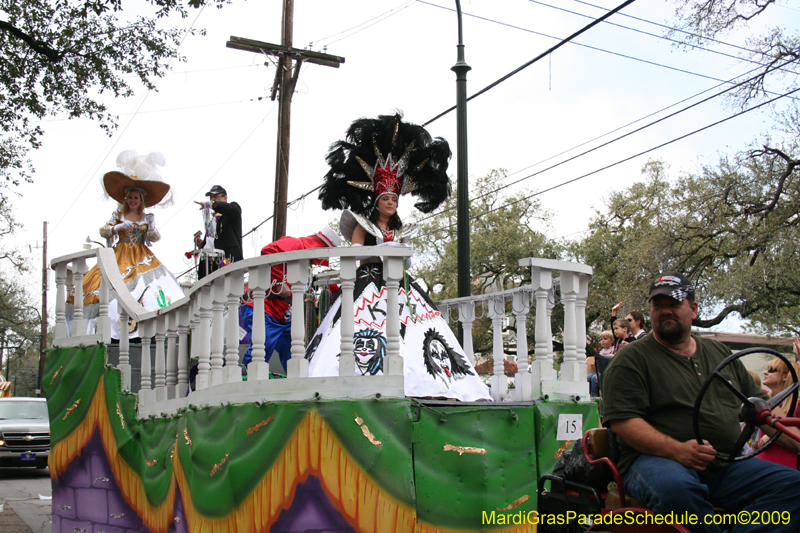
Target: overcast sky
(214, 122)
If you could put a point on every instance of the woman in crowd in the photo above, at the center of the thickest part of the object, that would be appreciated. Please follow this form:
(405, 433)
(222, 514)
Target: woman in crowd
(380, 160)
(776, 379)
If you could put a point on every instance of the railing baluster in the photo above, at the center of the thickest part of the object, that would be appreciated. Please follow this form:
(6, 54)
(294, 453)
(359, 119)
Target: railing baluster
(161, 363)
(124, 349)
(146, 395)
(392, 273)
(204, 339)
(103, 320)
(61, 331)
(347, 275)
(466, 315)
(297, 276)
(522, 381)
(234, 285)
(569, 293)
(172, 355)
(497, 311)
(217, 330)
(259, 283)
(183, 350)
(78, 322)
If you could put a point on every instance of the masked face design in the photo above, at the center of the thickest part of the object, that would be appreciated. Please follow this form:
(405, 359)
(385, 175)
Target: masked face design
(442, 362)
(440, 356)
(369, 348)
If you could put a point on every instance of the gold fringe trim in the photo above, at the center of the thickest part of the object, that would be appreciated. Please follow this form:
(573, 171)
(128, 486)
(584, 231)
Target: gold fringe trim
(152, 462)
(156, 518)
(312, 449)
(186, 436)
(463, 449)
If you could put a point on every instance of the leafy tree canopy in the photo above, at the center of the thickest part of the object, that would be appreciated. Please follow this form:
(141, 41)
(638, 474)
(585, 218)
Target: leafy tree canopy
(732, 228)
(774, 53)
(503, 230)
(57, 57)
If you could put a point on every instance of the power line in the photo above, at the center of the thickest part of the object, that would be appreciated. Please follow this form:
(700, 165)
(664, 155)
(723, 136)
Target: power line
(535, 59)
(390, 12)
(205, 183)
(565, 10)
(573, 180)
(199, 106)
(617, 138)
(670, 28)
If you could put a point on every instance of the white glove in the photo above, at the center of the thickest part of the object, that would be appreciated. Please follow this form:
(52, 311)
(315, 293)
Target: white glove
(150, 218)
(124, 225)
(390, 243)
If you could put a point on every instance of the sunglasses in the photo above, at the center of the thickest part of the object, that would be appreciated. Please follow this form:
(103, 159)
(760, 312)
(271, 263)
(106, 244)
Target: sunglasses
(771, 370)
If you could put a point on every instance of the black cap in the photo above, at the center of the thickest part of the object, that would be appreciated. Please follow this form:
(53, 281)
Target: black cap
(672, 284)
(217, 189)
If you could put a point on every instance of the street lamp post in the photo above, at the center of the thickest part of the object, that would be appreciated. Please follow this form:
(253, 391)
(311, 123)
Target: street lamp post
(461, 68)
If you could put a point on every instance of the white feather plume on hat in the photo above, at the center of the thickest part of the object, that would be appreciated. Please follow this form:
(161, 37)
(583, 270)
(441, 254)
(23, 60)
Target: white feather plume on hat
(142, 172)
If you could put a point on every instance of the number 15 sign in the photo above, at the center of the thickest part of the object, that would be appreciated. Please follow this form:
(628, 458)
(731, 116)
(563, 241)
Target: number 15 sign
(569, 427)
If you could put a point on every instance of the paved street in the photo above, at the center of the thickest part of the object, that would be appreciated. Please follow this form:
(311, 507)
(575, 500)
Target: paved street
(23, 509)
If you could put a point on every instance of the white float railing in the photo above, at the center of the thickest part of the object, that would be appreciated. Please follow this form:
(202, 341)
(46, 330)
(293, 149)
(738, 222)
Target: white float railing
(539, 378)
(207, 321)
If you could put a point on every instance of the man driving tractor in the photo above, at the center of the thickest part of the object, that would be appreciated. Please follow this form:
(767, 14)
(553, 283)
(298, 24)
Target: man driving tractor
(650, 389)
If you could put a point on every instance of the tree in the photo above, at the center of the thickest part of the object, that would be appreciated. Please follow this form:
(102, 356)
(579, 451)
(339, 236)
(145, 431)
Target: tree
(732, 228)
(503, 230)
(58, 57)
(20, 319)
(777, 51)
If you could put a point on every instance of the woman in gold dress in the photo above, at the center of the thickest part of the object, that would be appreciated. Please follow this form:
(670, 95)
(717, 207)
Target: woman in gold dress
(130, 230)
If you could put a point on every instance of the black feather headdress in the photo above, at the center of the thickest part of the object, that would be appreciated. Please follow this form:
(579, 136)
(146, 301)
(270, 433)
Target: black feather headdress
(385, 155)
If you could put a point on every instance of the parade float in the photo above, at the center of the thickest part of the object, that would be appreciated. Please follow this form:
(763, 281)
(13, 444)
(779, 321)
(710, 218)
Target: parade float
(336, 453)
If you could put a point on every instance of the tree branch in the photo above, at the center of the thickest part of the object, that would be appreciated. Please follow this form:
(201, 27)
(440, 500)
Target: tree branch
(39, 47)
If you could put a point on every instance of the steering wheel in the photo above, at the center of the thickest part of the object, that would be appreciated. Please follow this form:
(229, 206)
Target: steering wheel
(753, 410)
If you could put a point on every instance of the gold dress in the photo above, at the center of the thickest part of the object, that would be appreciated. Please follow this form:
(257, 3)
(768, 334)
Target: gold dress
(147, 279)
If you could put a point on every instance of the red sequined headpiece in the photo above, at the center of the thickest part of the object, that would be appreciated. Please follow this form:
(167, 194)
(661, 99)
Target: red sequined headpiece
(387, 176)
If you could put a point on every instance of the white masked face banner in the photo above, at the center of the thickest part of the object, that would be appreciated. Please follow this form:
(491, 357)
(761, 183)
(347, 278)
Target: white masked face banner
(434, 363)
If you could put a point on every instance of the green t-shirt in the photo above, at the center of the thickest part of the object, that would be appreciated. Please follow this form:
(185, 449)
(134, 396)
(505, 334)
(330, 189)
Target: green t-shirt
(648, 380)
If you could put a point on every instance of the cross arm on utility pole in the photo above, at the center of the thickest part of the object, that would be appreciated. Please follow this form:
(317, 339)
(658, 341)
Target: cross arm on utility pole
(285, 82)
(251, 45)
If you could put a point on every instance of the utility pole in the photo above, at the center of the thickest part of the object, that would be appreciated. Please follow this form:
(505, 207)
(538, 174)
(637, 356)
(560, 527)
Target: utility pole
(285, 81)
(43, 339)
(284, 124)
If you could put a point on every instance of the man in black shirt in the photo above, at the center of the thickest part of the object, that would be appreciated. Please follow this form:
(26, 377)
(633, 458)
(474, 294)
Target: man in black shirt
(223, 230)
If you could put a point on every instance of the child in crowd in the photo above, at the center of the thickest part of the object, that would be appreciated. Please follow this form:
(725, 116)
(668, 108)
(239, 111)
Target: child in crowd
(603, 357)
(622, 334)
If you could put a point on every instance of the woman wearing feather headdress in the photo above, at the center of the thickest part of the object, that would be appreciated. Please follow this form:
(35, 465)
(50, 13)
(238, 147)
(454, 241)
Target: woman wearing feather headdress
(130, 230)
(380, 160)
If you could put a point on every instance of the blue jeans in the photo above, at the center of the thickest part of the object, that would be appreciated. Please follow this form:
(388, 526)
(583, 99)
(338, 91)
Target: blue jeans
(594, 386)
(753, 486)
(278, 337)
